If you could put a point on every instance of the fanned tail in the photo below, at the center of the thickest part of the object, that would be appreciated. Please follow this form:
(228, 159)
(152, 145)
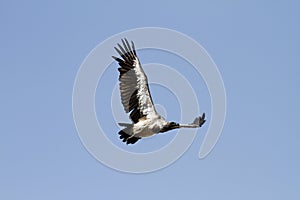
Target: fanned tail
(126, 135)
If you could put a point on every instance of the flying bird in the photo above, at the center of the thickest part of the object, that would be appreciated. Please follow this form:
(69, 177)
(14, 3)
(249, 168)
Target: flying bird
(137, 100)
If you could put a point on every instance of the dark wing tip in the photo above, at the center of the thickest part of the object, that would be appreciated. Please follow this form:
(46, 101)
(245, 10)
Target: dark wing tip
(127, 52)
(117, 59)
(133, 48)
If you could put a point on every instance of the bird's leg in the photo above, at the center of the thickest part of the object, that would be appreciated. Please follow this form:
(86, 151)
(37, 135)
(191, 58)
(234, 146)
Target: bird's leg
(198, 122)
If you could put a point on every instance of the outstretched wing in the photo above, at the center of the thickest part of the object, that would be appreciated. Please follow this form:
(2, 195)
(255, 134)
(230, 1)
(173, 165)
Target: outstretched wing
(135, 94)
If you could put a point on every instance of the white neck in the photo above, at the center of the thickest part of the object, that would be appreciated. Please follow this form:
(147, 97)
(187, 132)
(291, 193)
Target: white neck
(188, 126)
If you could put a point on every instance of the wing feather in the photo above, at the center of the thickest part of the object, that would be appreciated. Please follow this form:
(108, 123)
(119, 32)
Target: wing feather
(134, 88)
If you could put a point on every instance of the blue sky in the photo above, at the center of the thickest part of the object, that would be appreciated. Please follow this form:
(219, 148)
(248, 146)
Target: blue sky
(255, 44)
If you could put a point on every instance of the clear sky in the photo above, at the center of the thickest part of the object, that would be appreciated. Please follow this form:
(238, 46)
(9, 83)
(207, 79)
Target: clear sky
(255, 44)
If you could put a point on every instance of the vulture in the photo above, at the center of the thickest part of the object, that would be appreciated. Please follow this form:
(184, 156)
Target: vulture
(137, 101)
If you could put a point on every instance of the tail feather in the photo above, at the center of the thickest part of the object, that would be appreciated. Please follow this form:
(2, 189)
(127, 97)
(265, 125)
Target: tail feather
(126, 136)
(125, 124)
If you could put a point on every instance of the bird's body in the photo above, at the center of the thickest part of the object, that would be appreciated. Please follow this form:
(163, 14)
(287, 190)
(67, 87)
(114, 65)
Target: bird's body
(149, 126)
(136, 99)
